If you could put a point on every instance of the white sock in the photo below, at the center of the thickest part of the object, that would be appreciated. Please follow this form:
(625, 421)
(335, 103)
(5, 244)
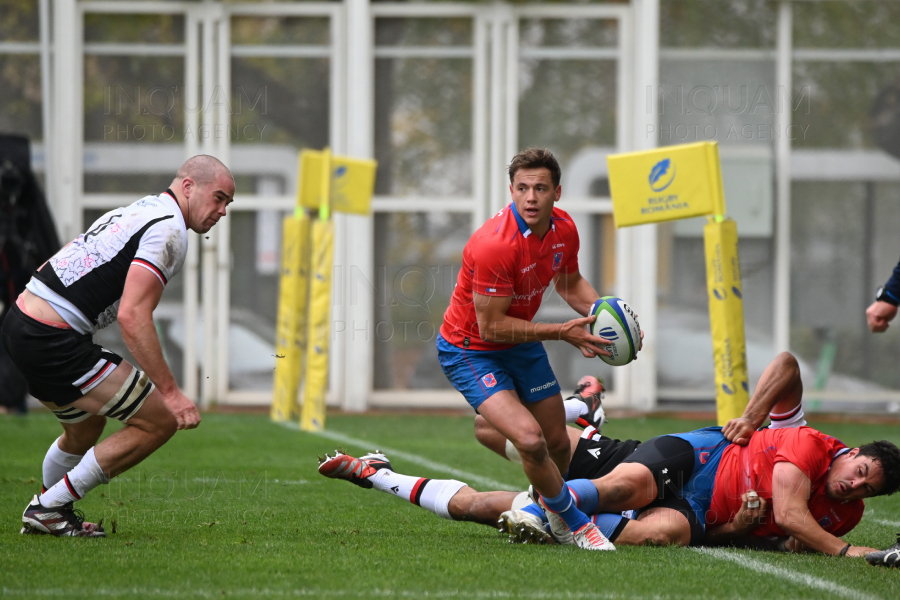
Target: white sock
(513, 454)
(431, 494)
(86, 475)
(574, 409)
(792, 418)
(57, 463)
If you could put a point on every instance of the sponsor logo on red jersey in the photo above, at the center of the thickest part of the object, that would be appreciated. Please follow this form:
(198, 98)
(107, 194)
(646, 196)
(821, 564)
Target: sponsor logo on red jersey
(557, 260)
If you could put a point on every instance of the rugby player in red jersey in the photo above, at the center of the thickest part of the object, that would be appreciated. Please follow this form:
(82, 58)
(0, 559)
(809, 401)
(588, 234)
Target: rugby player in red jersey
(489, 347)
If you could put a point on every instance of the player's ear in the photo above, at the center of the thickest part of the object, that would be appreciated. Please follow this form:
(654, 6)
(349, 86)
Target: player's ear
(187, 186)
(558, 193)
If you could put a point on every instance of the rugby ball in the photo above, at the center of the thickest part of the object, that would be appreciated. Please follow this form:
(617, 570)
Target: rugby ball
(616, 322)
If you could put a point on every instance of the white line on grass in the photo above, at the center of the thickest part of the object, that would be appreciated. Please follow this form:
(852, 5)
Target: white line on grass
(320, 593)
(413, 458)
(888, 523)
(741, 558)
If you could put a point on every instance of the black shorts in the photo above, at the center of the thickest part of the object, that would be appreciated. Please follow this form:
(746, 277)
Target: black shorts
(60, 365)
(593, 459)
(681, 505)
(671, 461)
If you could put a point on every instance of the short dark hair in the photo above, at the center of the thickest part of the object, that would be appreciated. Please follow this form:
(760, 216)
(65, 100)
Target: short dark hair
(535, 158)
(888, 455)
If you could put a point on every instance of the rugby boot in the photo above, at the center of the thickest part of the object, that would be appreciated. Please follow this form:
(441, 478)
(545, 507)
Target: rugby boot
(61, 521)
(355, 470)
(589, 537)
(522, 527)
(886, 558)
(590, 391)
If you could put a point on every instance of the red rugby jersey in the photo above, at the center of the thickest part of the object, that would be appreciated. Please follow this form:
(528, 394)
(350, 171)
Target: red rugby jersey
(503, 258)
(743, 468)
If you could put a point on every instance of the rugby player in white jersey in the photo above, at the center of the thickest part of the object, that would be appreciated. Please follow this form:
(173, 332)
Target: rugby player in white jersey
(116, 270)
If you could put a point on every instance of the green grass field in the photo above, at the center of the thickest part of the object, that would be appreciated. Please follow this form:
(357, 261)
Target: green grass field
(236, 509)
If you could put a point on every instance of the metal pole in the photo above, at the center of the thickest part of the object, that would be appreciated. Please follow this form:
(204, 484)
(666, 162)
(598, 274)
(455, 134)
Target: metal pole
(359, 270)
(46, 92)
(209, 240)
(223, 248)
(782, 303)
(192, 261)
(644, 242)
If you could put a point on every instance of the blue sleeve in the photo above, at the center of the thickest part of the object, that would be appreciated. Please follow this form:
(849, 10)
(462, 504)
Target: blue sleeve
(892, 287)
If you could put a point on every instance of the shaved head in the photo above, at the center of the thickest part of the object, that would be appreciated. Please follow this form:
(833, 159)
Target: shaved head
(203, 169)
(203, 188)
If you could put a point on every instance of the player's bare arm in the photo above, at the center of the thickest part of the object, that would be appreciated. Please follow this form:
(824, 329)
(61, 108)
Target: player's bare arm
(494, 325)
(140, 298)
(779, 388)
(791, 489)
(576, 291)
(745, 521)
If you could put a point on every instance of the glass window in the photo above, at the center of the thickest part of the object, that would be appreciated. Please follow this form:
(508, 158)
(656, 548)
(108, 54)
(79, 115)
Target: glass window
(417, 261)
(717, 24)
(842, 24)
(134, 28)
(20, 21)
(423, 107)
(276, 100)
(843, 245)
(20, 95)
(569, 33)
(423, 32)
(423, 126)
(280, 31)
(832, 102)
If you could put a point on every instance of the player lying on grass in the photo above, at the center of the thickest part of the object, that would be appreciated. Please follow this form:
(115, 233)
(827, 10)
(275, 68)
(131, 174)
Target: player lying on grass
(592, 456)
(668, 518)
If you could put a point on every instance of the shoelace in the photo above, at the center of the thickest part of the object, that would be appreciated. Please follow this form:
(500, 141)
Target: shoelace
(593, 535)
(77, 514)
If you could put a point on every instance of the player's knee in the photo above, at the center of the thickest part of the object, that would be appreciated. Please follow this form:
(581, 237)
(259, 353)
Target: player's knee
(531, 445)
(86, 433)
(788, 362)
(664, 538)
(165, 426)
(613, 493)
(558, 446)
(483, 430)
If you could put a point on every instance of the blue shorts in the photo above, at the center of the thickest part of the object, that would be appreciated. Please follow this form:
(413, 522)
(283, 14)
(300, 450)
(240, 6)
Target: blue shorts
(479, 374)
(709, 444)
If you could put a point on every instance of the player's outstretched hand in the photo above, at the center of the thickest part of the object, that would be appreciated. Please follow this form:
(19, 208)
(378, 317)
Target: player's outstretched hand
(860, 551)
(185, 411)
(879, 314)
(738, 431)
(751, 514)
(576, 333)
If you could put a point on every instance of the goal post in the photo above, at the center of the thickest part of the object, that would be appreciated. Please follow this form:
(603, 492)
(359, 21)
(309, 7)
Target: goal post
(680, 182)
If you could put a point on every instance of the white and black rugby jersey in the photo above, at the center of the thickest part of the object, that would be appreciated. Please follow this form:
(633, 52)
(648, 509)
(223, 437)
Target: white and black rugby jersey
(84, 281)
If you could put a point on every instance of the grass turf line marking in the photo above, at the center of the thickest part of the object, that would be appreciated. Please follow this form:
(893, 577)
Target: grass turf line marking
(487, 482)
(833, 589)
(320, 593)
(888, 523)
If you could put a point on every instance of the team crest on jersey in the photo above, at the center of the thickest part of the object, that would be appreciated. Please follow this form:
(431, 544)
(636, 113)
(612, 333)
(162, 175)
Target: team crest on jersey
(557, 260)
(489, 380)
(704, 456)
(825, 522)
